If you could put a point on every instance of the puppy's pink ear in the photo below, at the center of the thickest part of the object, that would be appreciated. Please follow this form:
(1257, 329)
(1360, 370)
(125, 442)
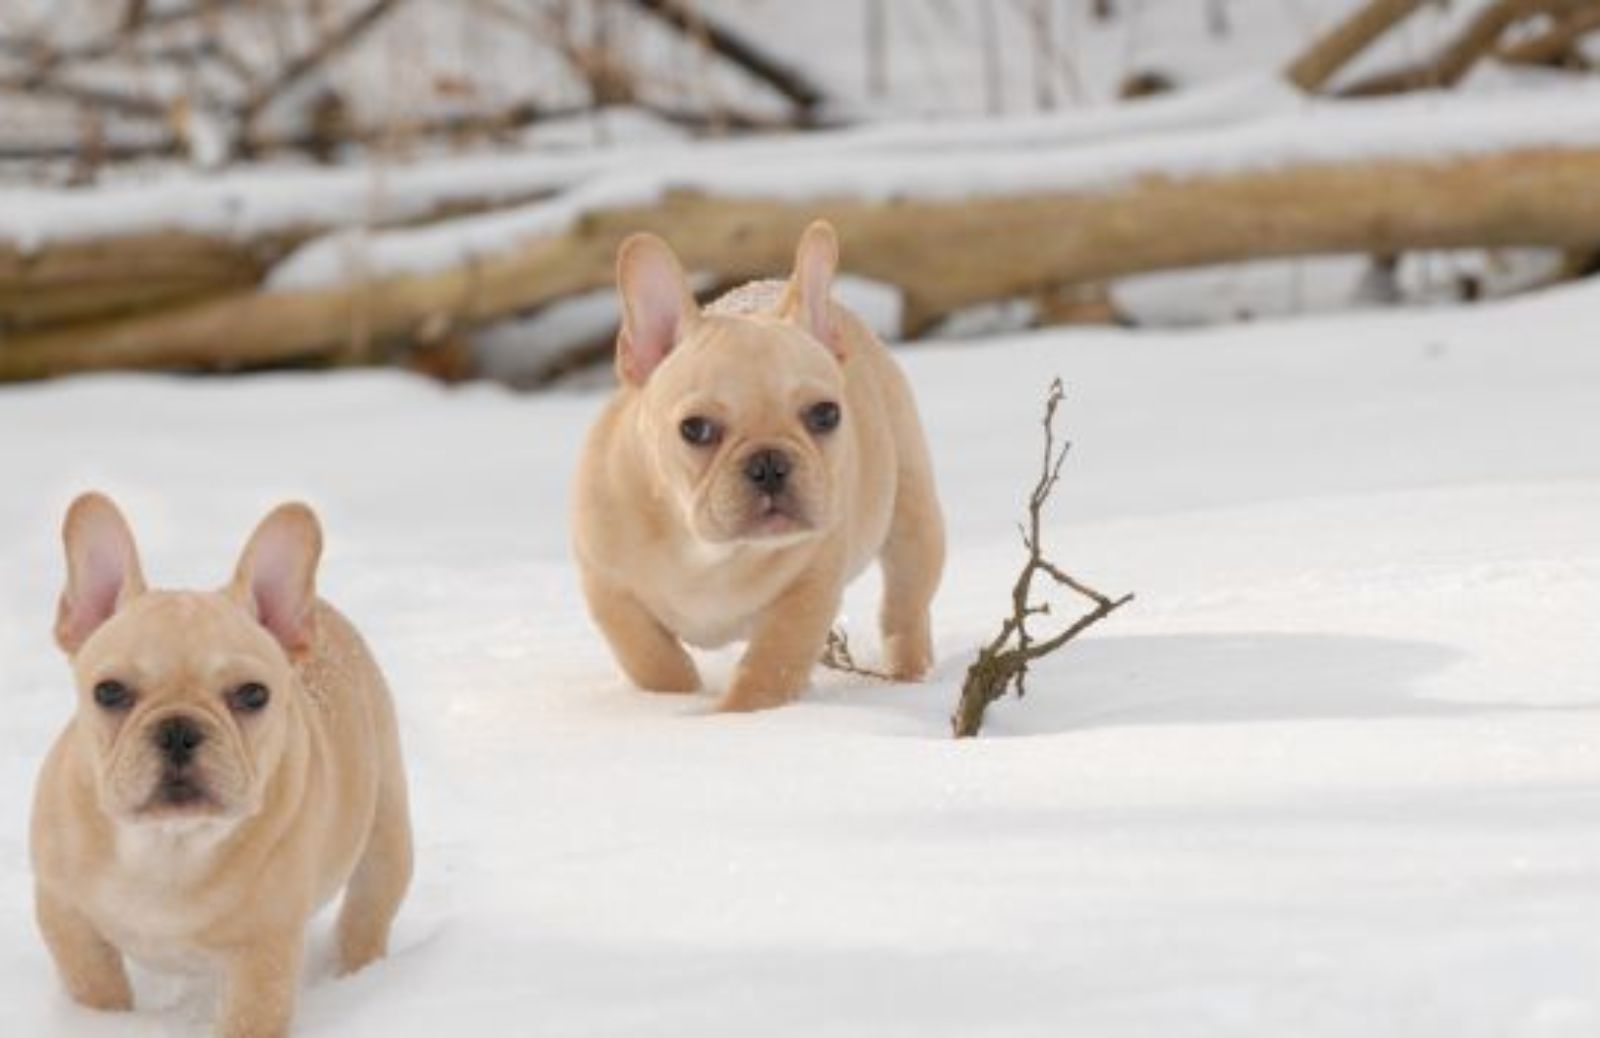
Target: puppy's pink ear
(102, 569)
(277, 575)
(807, 300)
(657, 306)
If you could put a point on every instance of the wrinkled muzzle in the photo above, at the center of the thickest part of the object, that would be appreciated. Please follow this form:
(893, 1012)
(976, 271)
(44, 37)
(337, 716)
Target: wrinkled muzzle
(176, 763)
(764, 493)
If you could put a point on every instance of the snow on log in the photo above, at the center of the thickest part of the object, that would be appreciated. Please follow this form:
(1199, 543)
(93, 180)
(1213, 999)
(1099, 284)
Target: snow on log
(75, 255)
(944, 254)
(950, 231)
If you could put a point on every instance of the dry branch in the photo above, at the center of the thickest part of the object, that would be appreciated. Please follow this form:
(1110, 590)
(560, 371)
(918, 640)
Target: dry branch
(46, 62)
(1320, 62)
(738, 50)
(335, 43)
(1478, 38)
(1002, 664)
(1556, 43)
(44, 84)
(836, 655)
(33, 47)
(944, 253)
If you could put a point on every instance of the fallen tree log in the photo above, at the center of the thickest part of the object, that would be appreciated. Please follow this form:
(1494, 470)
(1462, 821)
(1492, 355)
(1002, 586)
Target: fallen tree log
(95, 278)
(90, 259)
(81, 279)
(943, 252)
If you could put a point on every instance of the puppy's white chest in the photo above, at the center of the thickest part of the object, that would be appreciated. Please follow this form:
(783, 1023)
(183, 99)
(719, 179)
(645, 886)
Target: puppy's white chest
(704, 624)
(162, 954)
(711, 600)
(153, 927)
(152, 902)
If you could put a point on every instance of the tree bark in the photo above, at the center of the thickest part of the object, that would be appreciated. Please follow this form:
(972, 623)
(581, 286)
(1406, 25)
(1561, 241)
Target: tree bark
(97, 279)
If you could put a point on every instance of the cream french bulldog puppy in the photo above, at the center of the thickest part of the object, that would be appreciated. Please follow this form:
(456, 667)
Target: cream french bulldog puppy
(232, 765)
(757, 456)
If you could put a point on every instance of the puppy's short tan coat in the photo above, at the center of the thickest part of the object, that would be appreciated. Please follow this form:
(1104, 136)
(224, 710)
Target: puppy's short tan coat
(757, 456)
(233, 763)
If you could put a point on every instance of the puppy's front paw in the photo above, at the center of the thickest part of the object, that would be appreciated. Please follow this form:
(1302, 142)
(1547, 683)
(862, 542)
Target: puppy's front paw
(745, 697)
(747, 703)
(762, 684)
(110, 994)
(668, 675)
(910, 656)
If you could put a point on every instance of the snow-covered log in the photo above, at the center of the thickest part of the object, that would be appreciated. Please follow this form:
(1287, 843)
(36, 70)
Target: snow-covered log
(75, 255)
(944, 253)
(948, 229)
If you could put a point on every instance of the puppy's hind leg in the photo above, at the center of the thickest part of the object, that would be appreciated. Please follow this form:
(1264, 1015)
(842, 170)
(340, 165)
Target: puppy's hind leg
(652, 658)
(90, 967)
(382, 875)
(912, 561)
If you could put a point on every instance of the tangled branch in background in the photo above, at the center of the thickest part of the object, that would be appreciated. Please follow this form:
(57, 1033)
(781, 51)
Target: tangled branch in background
(1003, 663)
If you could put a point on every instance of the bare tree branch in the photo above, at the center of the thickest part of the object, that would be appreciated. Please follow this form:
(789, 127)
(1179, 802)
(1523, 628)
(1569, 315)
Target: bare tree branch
(836, 655)
(1477, 39)
(296, 70)
(1002, 664)
(787, 80)
(1555, 43)
(1319, 63)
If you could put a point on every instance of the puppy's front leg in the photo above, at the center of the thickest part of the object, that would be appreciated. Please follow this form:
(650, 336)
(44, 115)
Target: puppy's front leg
(787, 642)
(261, 983)
(91, 968)
(652, 658)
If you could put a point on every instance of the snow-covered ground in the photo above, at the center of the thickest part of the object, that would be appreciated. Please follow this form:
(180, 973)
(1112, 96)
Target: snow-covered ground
(1336, 772)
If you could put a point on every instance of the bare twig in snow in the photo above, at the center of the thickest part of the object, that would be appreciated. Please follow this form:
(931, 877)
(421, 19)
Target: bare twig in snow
(1003, 663)
(836, 655)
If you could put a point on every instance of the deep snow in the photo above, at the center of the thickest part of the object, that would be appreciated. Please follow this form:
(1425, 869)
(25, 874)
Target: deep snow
(1334, 773)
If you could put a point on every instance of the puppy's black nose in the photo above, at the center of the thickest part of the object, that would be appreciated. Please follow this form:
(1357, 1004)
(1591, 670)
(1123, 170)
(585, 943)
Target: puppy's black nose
(767, 469)
(177, 738)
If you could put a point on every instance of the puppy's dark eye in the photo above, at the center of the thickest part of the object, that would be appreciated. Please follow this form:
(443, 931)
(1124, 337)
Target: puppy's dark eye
(823, 417)
(701, 432)
(113, 695)
(249, 697)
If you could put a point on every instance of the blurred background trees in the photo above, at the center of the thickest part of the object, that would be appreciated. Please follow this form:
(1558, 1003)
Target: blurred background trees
(225, 184)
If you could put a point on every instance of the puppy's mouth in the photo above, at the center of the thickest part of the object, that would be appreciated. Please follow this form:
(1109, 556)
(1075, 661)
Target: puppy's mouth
(179, 793)
(776, 516)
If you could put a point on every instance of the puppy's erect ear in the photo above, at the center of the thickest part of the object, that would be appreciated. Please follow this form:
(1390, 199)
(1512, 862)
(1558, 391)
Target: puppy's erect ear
(807, 299)
(102, 569)
(277, 575)
(657, 307)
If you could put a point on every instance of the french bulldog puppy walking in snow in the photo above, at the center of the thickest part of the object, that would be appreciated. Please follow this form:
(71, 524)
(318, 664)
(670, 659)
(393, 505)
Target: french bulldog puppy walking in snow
(232, 765)
(757, 456)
